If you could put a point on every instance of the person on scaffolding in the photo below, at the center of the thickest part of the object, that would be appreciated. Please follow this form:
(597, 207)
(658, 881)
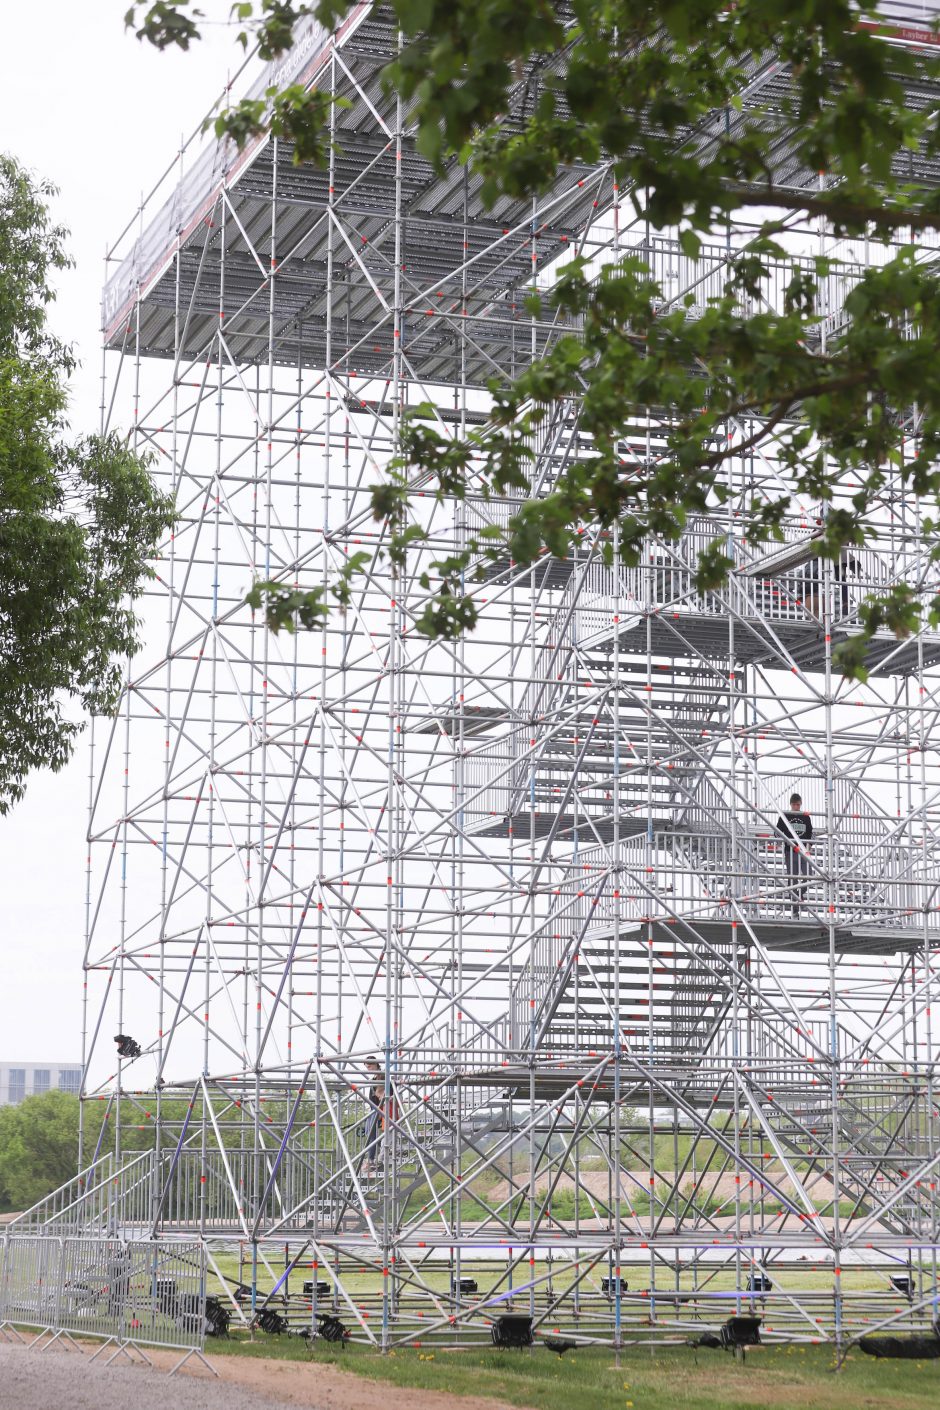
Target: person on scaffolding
(375, 1095)
(795, 828)
(844, 569)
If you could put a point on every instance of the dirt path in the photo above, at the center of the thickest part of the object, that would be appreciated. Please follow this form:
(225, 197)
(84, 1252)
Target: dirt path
(60, 1380)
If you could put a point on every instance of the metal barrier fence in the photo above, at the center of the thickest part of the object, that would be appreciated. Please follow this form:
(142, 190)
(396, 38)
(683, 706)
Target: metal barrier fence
(152, 1293)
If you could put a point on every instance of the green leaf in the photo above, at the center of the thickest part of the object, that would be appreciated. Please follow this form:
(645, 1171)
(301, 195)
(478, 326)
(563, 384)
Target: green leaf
(690, 243)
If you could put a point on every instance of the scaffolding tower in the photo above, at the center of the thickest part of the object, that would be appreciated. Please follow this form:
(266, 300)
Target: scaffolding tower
(469, 976)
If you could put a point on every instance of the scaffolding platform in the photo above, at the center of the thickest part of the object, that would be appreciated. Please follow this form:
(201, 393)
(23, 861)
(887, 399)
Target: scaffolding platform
(806, 935)
(762, 641)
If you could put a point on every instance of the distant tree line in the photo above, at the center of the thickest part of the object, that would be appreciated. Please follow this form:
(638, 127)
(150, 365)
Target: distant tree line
(38, 1147)
(39, 1144)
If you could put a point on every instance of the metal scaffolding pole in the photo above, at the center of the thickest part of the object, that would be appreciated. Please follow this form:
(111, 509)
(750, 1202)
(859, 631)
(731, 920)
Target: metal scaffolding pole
(633, 1074)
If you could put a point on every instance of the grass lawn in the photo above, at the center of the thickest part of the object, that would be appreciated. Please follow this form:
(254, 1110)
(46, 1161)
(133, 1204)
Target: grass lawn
(773, 1378)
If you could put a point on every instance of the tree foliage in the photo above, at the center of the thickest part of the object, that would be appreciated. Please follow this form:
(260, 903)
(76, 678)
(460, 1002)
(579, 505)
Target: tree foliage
(38, 1147)
(668, 93)
(78, 517)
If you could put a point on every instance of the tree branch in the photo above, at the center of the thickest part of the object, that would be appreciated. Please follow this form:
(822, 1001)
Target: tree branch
(886, 217)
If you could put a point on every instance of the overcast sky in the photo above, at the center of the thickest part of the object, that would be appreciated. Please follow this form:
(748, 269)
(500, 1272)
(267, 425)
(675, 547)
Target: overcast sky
(87, 106)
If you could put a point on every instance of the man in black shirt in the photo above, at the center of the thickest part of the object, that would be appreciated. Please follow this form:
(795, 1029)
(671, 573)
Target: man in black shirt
(796, 829)
(842, 568)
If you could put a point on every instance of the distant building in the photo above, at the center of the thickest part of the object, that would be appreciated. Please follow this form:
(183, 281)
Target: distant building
(31, 1079)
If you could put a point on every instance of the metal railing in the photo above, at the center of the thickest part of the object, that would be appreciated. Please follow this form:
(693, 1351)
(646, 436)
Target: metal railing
(98, 1198)
(604, 600)
(118, 1291)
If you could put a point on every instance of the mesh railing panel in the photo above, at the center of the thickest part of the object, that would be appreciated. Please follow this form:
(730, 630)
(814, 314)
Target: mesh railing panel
(151, 1292)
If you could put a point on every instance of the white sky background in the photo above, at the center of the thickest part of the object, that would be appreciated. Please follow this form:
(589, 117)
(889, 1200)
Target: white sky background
(86, 105)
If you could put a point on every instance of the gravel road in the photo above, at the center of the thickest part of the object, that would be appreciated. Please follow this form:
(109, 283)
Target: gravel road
(59, 1380)
(66, 1380)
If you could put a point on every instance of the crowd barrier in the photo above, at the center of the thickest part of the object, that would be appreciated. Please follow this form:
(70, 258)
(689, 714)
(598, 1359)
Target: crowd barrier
(121, 1292)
